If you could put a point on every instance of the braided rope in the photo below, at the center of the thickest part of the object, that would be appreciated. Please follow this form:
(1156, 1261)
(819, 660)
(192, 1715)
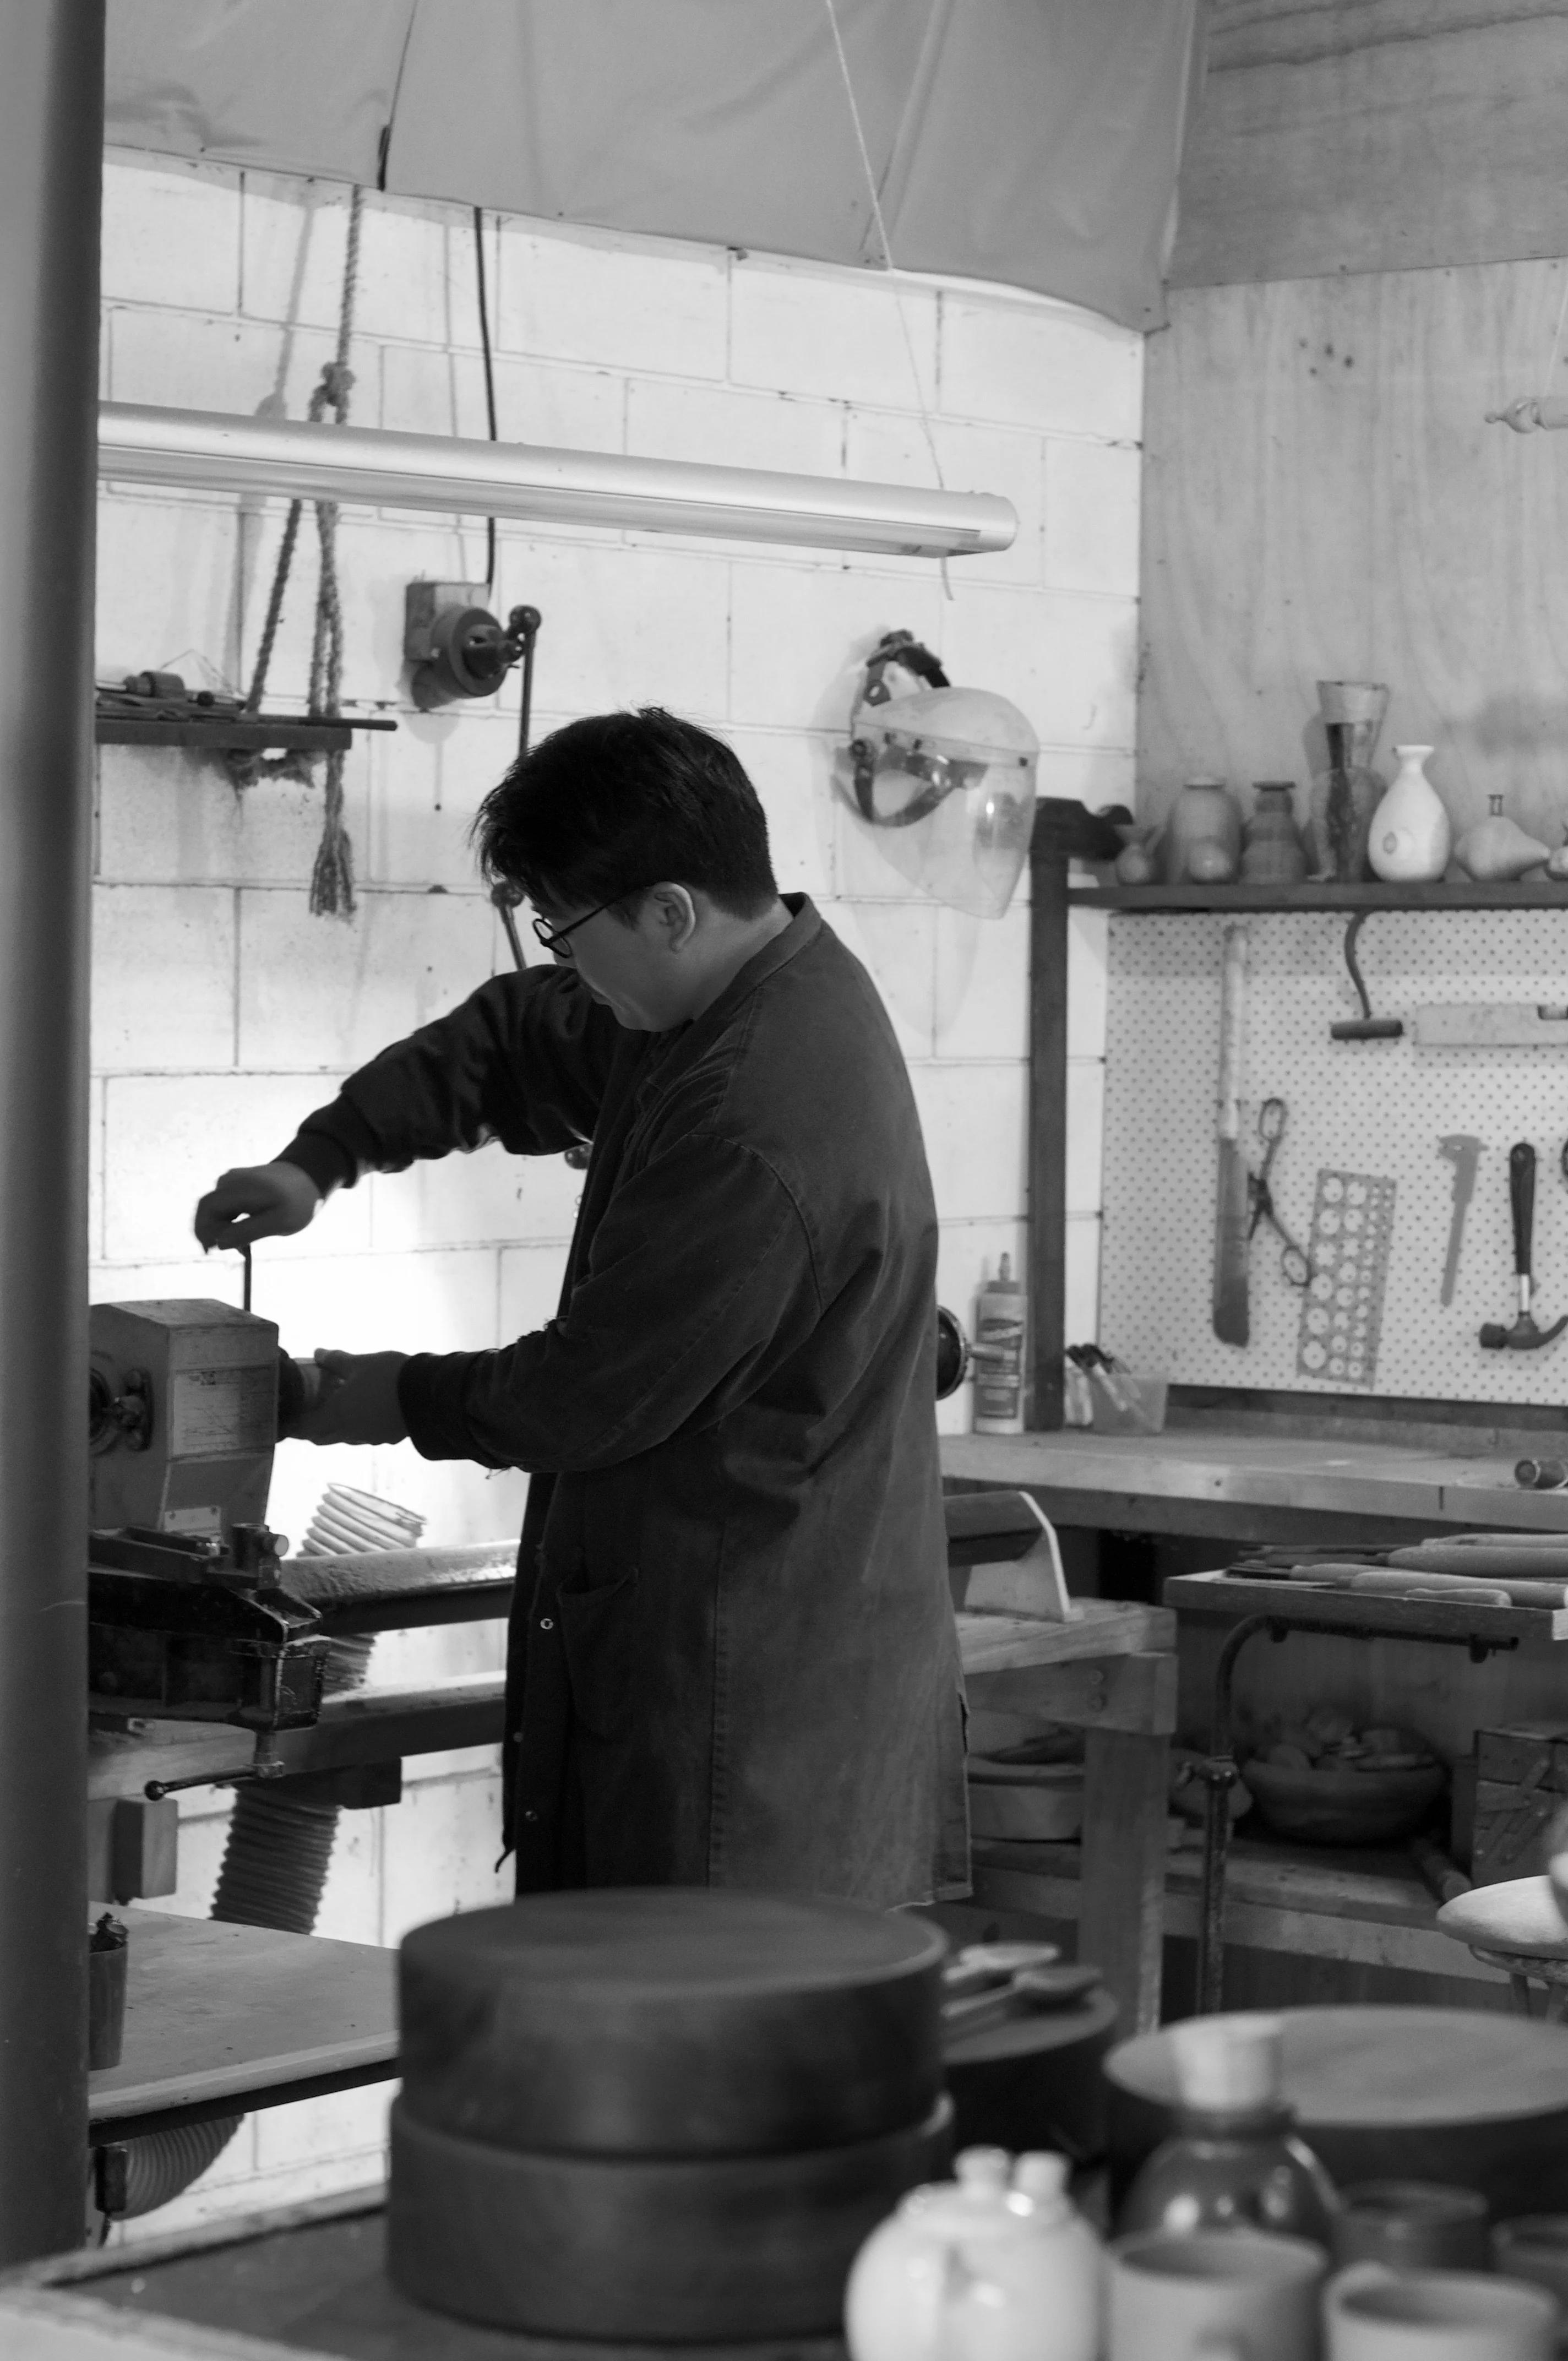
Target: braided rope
(331, 877)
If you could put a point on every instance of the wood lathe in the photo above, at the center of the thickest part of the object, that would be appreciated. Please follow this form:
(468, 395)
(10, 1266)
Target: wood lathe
(195, 1614)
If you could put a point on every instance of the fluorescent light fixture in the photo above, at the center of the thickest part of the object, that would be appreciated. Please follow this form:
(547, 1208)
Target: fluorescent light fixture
(211, 451)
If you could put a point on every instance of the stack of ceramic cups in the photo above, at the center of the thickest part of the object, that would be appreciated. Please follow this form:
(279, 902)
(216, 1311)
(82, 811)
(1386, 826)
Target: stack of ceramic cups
(664, 2117)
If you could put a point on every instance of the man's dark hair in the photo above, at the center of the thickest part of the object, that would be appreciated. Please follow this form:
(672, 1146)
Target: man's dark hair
(610, 805)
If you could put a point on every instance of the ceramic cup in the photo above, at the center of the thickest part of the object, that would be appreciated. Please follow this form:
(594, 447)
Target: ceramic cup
(1535, 2248)
(1413, 2226)
(1376, 2314)
(1240, 2292)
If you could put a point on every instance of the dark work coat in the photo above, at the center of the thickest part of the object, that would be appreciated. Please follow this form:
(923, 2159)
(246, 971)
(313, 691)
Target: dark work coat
(733, 1658)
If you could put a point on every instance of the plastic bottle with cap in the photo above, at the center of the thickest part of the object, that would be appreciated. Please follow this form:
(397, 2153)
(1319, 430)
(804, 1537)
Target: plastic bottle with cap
(1001, 1325)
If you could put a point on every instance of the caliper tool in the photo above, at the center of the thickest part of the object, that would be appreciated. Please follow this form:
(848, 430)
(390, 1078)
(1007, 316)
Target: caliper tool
(1464, 1154)
(1526, 1334)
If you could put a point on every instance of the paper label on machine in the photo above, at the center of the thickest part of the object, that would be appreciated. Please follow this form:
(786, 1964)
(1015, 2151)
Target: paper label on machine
(1342, 1309)
(216, 1413)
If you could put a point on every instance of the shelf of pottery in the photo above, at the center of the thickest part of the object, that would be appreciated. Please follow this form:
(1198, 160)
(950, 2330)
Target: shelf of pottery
(1364, 837)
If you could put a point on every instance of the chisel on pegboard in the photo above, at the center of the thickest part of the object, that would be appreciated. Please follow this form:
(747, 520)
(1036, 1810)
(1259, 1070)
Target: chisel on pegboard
(1232, 1211)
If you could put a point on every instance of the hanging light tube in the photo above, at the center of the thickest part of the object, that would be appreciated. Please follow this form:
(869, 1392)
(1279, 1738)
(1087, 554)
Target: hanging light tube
(212, 451)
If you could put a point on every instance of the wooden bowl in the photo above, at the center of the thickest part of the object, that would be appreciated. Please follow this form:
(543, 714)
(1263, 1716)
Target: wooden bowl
(1342, 1807)
(1032, 1803)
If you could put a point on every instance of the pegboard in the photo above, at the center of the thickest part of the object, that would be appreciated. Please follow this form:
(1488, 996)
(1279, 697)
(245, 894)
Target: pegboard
(1374, 1107)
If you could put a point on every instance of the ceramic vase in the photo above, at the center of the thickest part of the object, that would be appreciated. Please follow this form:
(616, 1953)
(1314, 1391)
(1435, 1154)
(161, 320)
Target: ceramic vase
(1345, 795)
(1411, 835)
(1203, 816)
(1272, 849)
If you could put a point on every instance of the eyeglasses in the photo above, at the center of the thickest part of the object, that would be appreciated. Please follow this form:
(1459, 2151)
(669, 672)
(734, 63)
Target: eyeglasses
(555, 939)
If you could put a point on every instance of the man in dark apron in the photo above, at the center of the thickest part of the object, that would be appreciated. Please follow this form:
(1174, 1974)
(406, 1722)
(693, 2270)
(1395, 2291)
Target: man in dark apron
(732, 1656)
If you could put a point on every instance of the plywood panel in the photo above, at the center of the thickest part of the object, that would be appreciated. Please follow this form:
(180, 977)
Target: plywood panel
(1323, 499)
(1338, 136)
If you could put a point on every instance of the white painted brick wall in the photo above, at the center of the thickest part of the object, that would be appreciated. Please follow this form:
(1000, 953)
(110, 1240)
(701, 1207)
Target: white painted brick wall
(223, 1011)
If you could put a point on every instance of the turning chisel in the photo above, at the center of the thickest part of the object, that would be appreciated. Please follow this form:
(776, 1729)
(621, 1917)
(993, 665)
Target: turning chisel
(1232, 1212)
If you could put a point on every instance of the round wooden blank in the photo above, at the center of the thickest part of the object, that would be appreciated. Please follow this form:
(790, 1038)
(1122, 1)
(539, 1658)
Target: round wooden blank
(672, 2021)
(606, 2247)
(1462, 2095)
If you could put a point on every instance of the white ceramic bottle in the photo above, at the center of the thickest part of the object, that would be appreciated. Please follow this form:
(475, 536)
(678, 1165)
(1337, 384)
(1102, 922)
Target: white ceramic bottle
(1411, 835)
(983, 2268)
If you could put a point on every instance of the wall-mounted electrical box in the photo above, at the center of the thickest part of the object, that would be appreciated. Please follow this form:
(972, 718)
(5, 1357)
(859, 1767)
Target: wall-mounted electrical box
(454, 646)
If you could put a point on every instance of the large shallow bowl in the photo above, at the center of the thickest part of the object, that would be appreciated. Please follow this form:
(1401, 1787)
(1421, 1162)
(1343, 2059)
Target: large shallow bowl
(1343, 1807)
(1031, 1802)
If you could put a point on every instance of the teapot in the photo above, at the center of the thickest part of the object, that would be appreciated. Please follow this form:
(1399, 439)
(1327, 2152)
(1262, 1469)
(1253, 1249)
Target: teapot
(995, 2266)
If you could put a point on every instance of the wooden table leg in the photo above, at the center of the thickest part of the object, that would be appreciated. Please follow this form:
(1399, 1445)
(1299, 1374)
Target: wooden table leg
(1121, 1917)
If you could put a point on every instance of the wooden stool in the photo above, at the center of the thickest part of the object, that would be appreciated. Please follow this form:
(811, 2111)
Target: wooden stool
(1520, 1967)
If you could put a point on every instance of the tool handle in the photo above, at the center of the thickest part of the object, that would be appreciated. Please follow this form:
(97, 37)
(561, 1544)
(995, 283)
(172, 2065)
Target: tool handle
(1232, 1024)
(1521, 1197)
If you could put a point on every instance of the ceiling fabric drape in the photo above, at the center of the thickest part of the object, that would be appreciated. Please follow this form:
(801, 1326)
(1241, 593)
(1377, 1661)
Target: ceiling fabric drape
(1034, 142)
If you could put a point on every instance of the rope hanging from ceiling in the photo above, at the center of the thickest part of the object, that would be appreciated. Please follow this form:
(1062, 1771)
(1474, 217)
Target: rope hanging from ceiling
(332, 878)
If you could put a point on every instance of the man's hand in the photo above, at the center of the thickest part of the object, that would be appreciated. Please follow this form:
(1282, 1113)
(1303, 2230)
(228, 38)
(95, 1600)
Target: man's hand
(256, 1201)
(359, 1400)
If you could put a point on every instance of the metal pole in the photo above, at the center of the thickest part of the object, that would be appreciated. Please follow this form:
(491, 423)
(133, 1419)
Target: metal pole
(51, 132)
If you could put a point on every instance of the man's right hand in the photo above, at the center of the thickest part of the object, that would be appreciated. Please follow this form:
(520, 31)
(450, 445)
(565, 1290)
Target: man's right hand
(256, 1201)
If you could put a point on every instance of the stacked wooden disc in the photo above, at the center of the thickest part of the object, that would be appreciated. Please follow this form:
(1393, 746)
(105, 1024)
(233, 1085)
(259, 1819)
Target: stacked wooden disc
(666, 2117)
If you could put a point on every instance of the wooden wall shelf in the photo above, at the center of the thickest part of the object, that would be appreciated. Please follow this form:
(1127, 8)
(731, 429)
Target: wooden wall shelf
(241, 734)
(1168, 898)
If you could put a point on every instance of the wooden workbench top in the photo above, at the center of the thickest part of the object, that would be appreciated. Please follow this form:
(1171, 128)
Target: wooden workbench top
(1274, 1472)
(215, 2012)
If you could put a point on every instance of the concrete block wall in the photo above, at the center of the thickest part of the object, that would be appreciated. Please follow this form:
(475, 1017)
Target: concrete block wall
(223, 1011)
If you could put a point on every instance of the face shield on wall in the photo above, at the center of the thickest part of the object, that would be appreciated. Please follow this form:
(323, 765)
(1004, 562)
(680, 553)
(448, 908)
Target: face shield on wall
(947, 776)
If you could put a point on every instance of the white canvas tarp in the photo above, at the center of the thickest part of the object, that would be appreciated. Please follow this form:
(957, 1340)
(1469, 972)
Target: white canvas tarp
(1036, 142)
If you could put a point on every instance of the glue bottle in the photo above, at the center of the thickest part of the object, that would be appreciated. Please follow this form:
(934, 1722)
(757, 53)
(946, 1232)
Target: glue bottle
(999, 1323)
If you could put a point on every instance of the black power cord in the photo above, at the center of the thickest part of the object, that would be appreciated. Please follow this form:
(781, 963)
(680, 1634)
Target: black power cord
(490, 378)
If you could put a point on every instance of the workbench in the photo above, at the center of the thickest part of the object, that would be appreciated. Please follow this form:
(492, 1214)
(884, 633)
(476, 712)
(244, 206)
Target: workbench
(1250, 1486)
(1243, 1486)
(305, 2280)
(221, 2019)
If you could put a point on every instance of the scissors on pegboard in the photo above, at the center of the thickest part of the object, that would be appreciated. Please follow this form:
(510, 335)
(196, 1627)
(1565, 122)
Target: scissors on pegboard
(1293, 1259)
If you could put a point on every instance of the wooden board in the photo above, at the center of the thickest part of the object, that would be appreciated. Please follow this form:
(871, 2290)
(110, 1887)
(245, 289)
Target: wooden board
(1096, 1627)
(1123, 1917)
(1402, 539)
(302, 2280)
(367, 1726)
(1305, 1608)
(215, 2012)
(1213, 1471)
(1215, 1468)
(1278, 1898)
(1374, 135)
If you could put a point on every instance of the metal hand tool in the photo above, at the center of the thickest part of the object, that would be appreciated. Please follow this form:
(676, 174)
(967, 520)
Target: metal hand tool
(1364, 1027)
(1231, 1315)
(1525, 1335)
(1293, 1260)
(1464, 1154)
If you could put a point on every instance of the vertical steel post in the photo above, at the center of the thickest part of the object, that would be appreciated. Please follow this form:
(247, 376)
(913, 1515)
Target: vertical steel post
(51, 132)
